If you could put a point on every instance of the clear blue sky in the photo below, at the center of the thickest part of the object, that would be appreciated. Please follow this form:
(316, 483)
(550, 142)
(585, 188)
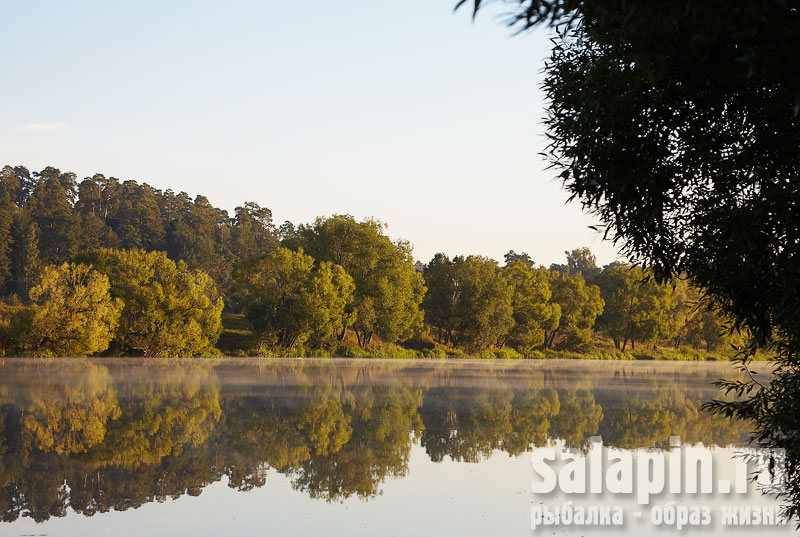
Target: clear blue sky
(404, 111)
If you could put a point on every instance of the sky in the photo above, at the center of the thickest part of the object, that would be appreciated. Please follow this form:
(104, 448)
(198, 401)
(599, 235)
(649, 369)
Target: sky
(407, 112)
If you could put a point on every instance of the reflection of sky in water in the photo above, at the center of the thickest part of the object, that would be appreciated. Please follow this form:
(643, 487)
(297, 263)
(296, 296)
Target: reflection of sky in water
(402, 448)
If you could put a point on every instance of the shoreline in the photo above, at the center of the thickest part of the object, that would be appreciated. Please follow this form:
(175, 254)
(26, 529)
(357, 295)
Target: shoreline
(449, 359)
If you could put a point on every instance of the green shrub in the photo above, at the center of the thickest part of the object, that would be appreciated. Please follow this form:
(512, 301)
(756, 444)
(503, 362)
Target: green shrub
(436, 352)
(507, 354)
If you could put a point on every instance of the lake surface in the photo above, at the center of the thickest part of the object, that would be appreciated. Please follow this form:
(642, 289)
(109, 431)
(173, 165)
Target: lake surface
(363, 447)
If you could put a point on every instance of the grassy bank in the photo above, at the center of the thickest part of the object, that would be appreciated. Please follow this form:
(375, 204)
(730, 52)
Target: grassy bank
(238, 340)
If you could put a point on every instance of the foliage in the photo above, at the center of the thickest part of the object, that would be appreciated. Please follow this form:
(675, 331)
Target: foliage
(25, 261)
(513, 257)
(254, 233)
(168, 310)
(583, 261)
(533, 311)
(579, 304)
(72, 314)
(50, 216)
(289, 300)
(388, 290)
(50, 208)
(469, 302)
(635, 305)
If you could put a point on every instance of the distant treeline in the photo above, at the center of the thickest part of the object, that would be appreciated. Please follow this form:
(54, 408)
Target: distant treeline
(103, 266)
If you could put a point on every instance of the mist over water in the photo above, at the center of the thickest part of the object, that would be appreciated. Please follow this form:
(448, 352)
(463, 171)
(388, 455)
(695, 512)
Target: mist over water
(423, 447)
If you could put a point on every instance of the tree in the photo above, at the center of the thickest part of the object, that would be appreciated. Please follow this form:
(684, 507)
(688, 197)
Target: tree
(582, 260)
(192, 233)
(90, 197)
(168, 310)
(136, 219)
(253, 232)
(72, 314)
(94, 233)
(9, 185)
(25, 262)
(109, 194)
(533, 311)
(468, 302)
(49, 205)
(635, 304)
(18, 184)
(288, 300)
(678, 125)
(89, 211)
(512, 257)
(331, 297)
(67, 180)
(580, 304)
(677, 311)
(388, 289)
(441, 300)
(704, 326)
(287, 233)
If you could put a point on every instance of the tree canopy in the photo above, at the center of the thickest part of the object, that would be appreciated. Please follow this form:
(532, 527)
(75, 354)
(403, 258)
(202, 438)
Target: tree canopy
(532, 310)
(579, 304)
(470, 303)
(388, 290)
(635, 305)
(168, 309)
(73, 313)
(289, 300)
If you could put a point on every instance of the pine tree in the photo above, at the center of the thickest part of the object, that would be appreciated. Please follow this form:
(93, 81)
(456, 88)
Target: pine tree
(137, 218)
(25, 263)
(50, 208)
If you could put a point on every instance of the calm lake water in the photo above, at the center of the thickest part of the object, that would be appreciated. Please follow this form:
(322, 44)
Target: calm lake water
(362, 447)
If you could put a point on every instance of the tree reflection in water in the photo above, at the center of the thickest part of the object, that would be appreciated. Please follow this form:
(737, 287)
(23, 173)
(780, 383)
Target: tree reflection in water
(108, 435)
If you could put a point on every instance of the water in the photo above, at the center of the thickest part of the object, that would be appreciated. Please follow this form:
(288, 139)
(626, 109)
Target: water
(347, 447)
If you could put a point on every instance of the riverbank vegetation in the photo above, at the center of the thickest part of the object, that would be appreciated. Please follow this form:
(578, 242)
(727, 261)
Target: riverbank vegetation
(109, 267)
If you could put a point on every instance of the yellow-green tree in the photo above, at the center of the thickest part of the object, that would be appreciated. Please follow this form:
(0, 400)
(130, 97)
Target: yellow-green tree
(169, 310)
(331, 299)
(580, 304)
(288, 300)
(73, 313)
(388, 290)
(533, 312)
